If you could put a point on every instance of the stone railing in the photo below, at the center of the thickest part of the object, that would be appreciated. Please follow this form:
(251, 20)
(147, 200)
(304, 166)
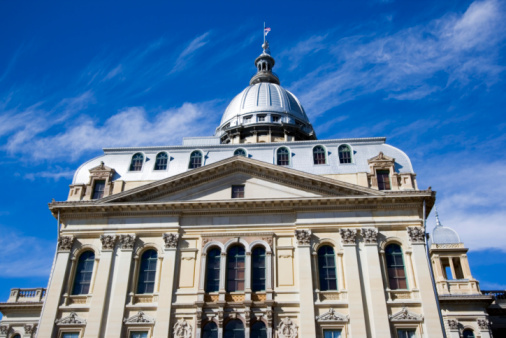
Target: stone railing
(498, 294)
(26, 295)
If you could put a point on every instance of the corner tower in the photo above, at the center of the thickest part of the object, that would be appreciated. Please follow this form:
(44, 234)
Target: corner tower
(264, 112)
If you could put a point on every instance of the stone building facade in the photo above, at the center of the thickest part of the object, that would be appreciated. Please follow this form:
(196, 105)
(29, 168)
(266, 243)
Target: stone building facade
(259, 231)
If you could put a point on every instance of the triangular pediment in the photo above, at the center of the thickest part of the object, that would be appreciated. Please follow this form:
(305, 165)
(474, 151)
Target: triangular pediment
(214, 181)
(381, 158)
(100, 168)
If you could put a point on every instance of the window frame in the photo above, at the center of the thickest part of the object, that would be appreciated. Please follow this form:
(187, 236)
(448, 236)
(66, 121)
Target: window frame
(95, 189)
(134, 328)
(275, 118)
(407, 328)
(236, 269)
(252, 269)
(325, 159)
(334, 257)
(339, 154)
(166, 164)
(258, 321)
(75, 271)
(206, 281)
(262, 118)
(236, 186)
(62, 331)
(384, 171)
(201, 159)
(157, 268)
(239, 149)
(207, 323)
(132, 162)
(289, 156)
(237, 320)
(387, 274)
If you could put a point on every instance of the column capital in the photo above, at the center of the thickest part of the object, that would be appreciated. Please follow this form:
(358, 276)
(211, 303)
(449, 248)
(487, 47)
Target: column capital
(370, 236)
(107, 242)
(65, 243)
(303, 237)
(416, 235)
(171, 240)
(483, 324)
(453, 324)
(127, 241)
(348, 236)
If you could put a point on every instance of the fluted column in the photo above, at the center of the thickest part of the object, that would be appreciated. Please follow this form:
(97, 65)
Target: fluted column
(306, 290)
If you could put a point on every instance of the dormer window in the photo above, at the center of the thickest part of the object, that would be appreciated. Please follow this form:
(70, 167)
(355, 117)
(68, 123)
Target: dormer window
(246, 119)
(240, 152)
(161, 161)
(261, 118)
(136, 164)
(319, 155)
(275, 118)
(383, 179)
(344, 154)
(283, 156)
(98, 189)
(195, 160)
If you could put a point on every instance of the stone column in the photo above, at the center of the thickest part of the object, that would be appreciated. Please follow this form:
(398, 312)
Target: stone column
(99, 298)
(54, 290)
(306, 290)
(355, 298)
(120, 289)
(427, 296)
(223, 276)
(484, 326)
(247, 281)
(168, 270)
(453, 325)
(380, 325)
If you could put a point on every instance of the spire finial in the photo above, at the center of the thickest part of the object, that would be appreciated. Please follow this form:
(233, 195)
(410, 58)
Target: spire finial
(265, 45)
(438, 224)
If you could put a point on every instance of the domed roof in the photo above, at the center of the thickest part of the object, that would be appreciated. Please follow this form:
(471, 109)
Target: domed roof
(444, 235)
(264, 98)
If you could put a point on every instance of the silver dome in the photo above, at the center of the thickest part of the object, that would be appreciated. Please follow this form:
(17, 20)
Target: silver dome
(443, 235)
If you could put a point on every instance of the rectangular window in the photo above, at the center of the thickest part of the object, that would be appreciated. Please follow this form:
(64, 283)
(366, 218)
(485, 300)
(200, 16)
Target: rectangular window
(138, 334)
(238, 191)
(261, 118)
(70, 335)
(246, 119)
(406, 333)
(383, 179)
(98, 189)
(275, 118)
(332, 334)
(458, 268)
(447, 268)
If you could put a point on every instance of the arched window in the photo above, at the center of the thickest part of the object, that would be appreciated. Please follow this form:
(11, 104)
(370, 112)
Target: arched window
(319, 155)
(258, 269)
(210, 330)
(236, 267)
(240, 152)
(16, 336)
(258, 330)
(137, 160)
(406, 333)
(395, 267)
(195, 160)
(283, 156)
(147, 272)
(234, 329)
(344, 154)
(327, 268)
(84, 271)
(161, 161)
(468, 333)
(213, 270)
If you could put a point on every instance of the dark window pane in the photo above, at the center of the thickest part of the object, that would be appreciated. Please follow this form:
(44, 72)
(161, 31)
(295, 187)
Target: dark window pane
(283, 156)
(258, 269)
(240, 152)
(344, 154)
(383, 179)
(395, 267)
(210, 330)
(319, 155)
(235, 268)
(136, 164)
(332, 333)
(98, 189)
(195, 160)
(238, 191)
(161, 161)
(258, 330)
(468, 333)
(147, 272)
(83, 273)
(327, 268)
(234, 329)
(213, 270)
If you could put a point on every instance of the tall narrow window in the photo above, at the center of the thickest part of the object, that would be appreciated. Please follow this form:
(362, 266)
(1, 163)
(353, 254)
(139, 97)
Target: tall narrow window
(98, 189)
(332, 334)
(84, 271)
(258, 269)
(213, 270)
(136, 164)
(195, 160)
(283, 156)
(238, 191)
(319, 155)
(395, 267)
(327, 268)
(147, 272)
(236, 268)
(258, 330)
(161, 161)
(344, 154)
(275, 118)
(406, 333)
(234, 329)
(468, 333)
(210, 330)
(240, 152)
(383, 179)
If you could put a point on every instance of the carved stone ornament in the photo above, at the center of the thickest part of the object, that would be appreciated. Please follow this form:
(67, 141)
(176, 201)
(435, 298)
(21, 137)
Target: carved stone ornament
(71, 319)
(348, 235)
(171, 240)
(107, 241)
(303, 237)
(287, 328)
(483, 324)
(453, 324)
(30, 328)
(370, 235)
(405, 316)
(332, 316)
(65, 242)
(4, 329)
(182, 329)
(139, 318)
(127, 241)
(416, 234)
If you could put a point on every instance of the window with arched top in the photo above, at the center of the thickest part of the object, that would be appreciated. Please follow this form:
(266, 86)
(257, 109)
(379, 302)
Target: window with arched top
(210, 330)
(258, 269)
(195, 160)
(147, 272)
(161, 161)
(344, 154)
(395, 267)
(468, 333)
(234, 329)
(240, 152)
(137, 161)
(258, 330)
(319, 155)
(16, 336)
(283, 156)
(236, 268)
(213, 270)
(83, 273)
(327, 268)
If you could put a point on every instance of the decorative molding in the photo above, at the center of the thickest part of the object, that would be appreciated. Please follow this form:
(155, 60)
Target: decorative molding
(127, 242)
(348, 235)
(287, 328)
(332, 316)
(303, 237)
(370, 235)
(107, 241)
(182, 329)
(30, 328)
(405, 316)
(416, 234)
(171, 240)
(483, 324)
(65, 243)
(139, 318)
(453, 324)
(71, 319)
(4, 329)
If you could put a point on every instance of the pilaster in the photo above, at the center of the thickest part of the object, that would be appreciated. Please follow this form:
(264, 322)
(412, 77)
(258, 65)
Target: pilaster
(306, 290)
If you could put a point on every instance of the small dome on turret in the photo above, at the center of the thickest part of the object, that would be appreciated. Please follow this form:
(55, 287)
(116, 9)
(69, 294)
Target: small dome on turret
(443, 235)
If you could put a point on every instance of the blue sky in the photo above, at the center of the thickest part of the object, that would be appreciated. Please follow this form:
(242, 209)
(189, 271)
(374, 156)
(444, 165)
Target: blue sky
(77, 77)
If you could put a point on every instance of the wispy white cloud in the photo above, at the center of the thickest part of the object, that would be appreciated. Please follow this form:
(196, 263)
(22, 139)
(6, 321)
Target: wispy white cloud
(55, 174)
(188, 53)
